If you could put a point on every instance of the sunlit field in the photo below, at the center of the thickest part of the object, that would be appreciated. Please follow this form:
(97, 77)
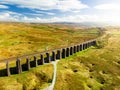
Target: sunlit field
(96, 68)
(59, 45)
(18, 39)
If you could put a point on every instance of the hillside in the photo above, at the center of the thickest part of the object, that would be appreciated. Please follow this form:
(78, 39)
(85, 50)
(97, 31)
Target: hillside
(18, 38)
(96, 68)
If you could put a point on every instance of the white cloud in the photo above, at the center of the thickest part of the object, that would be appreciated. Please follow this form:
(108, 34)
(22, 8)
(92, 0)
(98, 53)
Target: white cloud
(108, 7)
(75, 18)
(70, 5)
(3, 7)
(62, 5)
(34, 14)
(12, 16)
(102, 12)
(9, 16)
(43, 12)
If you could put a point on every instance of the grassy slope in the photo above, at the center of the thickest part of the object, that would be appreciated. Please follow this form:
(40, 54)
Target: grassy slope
(15, 40)
(19, 39)
(93, 69)
(36, 78)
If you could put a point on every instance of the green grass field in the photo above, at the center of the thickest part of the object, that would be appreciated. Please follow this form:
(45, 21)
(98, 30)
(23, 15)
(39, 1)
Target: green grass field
(19, 39)
(96, 68)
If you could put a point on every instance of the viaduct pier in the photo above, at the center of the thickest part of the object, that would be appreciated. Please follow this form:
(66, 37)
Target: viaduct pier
(24, 63)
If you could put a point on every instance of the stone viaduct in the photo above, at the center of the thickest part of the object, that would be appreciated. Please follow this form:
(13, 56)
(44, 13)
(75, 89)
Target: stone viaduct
(33, 60)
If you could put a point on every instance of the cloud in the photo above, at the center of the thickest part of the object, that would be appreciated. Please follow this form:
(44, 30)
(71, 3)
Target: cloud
(4, 7)
(9, 16)
(70, 18)
(75, 19)
(43, 12)
(34, 14)
(16, 17)
(70, 5)
(108, 7)
(13, 16)
(62, 5)
(46, 11)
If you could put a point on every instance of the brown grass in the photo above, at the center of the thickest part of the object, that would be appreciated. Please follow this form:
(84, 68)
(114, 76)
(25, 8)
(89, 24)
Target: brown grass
(19, 39)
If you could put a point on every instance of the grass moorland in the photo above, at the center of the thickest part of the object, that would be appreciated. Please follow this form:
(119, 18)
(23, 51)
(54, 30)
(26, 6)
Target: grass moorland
(96, 68)
(35, 79)
(19, 39)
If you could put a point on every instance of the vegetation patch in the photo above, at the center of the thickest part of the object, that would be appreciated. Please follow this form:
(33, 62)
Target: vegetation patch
(35, 79)
(17, 39)
(97, 67)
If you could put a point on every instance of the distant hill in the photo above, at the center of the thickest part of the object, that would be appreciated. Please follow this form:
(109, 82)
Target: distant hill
(90, 24)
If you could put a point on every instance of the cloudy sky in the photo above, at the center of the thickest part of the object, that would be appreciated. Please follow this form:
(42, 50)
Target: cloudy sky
(60, 10)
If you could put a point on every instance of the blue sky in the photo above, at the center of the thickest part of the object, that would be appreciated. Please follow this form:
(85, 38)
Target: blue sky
(60, 10)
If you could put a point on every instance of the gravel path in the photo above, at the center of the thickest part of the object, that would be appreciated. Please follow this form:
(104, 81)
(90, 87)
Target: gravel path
(51, 87)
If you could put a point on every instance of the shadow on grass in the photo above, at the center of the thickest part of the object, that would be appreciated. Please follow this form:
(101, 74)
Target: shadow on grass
(14, 70)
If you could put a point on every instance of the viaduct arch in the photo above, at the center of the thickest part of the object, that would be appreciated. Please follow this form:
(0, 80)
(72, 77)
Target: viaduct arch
(42, 57)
